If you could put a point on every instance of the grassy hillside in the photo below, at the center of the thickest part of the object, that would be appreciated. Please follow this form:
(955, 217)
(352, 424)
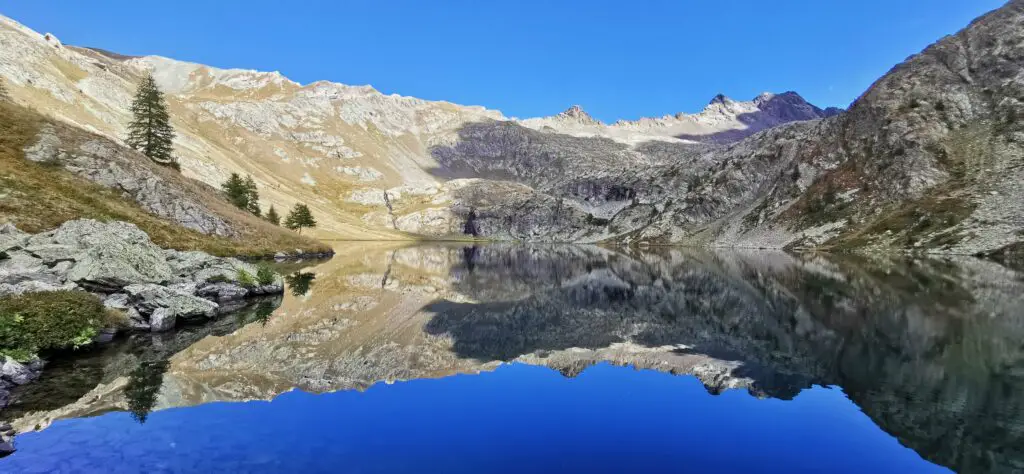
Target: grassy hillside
(38, 197)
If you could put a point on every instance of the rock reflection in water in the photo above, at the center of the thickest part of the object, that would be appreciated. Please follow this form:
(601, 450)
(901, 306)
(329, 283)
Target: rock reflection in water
(929, 349)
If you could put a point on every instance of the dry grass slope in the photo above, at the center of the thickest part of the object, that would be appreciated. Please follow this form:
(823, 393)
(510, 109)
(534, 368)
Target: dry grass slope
(38, 197)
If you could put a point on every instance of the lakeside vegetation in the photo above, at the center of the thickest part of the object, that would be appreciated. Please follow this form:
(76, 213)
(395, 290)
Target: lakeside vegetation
(35, 322)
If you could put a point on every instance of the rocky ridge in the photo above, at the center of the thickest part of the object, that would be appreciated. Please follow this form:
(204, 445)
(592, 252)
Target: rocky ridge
(929, 160)
(338, 148)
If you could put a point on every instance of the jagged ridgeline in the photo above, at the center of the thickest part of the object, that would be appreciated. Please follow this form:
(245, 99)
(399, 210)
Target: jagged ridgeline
(929, 158)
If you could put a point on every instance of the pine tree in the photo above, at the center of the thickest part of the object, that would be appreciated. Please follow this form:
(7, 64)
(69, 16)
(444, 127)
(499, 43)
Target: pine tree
(299, 217)
(242, 193)
(252, 197)
(236, 191)
(150, 130)
(272, 216)
(4, 96)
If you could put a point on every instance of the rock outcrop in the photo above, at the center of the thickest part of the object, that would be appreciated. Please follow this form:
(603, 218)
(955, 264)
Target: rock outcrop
(155, 287)
(109, 164)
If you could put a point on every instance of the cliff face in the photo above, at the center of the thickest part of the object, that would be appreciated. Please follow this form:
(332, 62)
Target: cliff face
(929, 158)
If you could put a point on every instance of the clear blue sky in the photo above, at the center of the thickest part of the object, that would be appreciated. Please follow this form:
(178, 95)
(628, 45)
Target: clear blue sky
(618, 59)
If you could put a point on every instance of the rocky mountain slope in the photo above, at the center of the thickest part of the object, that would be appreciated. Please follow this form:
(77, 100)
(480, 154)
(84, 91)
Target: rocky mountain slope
(52, 172)
(337, 147)
(929, 158)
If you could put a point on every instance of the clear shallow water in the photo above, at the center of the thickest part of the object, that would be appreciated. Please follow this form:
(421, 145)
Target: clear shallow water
(560, 359)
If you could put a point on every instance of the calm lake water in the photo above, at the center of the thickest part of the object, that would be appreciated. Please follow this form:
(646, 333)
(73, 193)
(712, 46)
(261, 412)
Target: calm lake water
(500, 358)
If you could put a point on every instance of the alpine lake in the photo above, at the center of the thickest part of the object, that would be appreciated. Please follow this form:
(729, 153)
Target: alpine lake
(462, 358)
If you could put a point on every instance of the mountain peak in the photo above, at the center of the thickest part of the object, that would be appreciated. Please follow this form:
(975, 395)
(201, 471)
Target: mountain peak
(720, 99)
(577, 114)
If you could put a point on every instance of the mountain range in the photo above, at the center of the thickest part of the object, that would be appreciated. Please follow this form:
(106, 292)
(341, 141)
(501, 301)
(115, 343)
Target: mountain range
(928, 159)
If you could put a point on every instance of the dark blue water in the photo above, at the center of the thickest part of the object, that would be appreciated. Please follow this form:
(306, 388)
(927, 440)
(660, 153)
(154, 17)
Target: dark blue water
(559, 359)
(518, 418)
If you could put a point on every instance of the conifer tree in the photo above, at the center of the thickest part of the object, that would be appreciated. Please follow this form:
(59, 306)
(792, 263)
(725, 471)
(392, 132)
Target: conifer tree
(236, 191)
(150, 130)
(299, 217)
(272, 216)
(252, 197)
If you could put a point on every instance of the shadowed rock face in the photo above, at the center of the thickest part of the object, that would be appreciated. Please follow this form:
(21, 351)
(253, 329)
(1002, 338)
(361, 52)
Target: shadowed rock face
(929, 158)
(929, 349)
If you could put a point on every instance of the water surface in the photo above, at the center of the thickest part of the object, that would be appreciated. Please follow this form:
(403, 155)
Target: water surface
(444, 358)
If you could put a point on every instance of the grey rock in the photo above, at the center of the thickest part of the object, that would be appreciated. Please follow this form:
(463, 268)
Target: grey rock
(51, 254)
(116, 301)
(42, 277)
(184, 264)
(114, 255)
(184, 287)
(11, 238)
(137, 321)
(162, 319)
(271, 289)
(32, 286)
(18, 262)
(62, 267)
(147, 298)
(223, 291)
(17, 372)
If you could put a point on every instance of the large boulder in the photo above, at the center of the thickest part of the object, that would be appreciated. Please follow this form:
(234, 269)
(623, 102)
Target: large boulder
(186, 264)
(18, 262)
(148, 297)
(18, 373)
(162, 320)
(113, 255)
(11, 238)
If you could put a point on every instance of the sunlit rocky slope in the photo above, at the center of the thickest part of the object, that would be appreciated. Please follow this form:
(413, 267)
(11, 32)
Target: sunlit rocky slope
(929, 158)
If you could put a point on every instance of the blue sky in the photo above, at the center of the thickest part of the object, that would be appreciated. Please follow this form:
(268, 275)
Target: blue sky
(618, 59)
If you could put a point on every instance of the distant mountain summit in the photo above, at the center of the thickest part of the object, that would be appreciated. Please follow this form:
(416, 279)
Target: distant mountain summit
(576, 114)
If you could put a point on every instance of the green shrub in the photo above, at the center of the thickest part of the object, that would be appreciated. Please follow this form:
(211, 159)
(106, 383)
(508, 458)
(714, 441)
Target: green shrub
(35, 322)
(265, 275)
(245, 278)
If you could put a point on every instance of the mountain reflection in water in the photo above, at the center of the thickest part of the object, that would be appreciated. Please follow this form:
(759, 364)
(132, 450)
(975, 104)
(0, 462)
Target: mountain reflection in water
(932, 351)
